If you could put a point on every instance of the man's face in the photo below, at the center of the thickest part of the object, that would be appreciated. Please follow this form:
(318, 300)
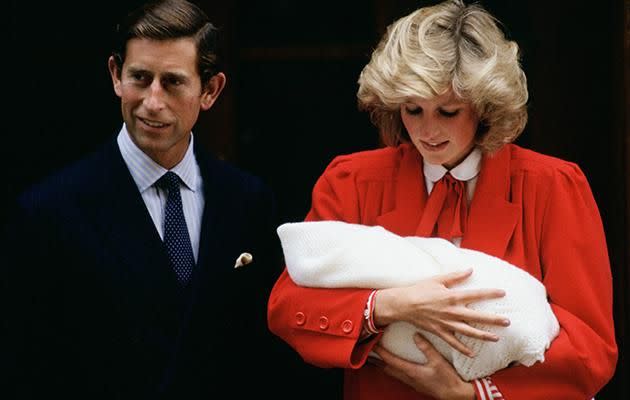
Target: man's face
(161, 96)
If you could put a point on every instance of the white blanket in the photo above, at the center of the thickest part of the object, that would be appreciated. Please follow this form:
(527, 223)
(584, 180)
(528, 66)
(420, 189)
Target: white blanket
(334, 254)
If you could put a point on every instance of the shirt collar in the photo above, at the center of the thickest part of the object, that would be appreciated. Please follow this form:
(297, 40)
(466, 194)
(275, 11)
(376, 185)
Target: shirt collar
(464, 171)
(145, 172)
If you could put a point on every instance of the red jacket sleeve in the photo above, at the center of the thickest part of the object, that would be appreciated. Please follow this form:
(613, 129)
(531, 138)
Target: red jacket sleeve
(576, 273)
(323, 325)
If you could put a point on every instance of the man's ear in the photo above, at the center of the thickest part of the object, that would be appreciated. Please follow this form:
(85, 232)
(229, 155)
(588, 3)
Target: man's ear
(115, 75)
(212, 90)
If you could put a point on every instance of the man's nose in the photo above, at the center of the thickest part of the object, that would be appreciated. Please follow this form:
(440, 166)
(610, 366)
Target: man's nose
(155, 96)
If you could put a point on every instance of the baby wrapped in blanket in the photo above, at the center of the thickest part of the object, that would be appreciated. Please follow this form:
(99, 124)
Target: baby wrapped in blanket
(335, 254)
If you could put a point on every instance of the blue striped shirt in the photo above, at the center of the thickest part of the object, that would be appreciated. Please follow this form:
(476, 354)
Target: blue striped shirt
(145, 172)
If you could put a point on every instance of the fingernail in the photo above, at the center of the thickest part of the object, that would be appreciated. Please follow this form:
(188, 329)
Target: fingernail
(506, 322)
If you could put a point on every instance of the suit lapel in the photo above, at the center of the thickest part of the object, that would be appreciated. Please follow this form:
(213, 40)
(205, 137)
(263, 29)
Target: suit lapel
(212, 195)
(411, 195)
(492, 218)
(215, 223)
(130, 231)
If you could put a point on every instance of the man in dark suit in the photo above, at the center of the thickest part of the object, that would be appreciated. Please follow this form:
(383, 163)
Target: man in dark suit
(100, 299)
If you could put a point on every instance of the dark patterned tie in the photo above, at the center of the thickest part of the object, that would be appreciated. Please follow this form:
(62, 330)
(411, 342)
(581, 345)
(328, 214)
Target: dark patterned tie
(176, 236)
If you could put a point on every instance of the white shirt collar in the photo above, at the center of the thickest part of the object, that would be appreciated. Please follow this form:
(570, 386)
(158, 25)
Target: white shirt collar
(145, 172)
(464, 171)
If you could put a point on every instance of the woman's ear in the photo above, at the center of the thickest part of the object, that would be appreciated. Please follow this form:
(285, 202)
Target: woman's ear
(212, 90)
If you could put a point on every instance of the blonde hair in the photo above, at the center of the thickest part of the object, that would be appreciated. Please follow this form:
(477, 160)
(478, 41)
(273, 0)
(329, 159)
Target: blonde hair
(449, 46)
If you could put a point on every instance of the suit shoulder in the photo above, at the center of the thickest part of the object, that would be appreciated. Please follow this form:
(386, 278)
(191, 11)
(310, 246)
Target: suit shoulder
(374, 164)
(74, 180)
(542, 166)
(231, 176)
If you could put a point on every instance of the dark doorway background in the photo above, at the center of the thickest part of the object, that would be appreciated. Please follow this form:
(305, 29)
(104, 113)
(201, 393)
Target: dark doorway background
(290, 104)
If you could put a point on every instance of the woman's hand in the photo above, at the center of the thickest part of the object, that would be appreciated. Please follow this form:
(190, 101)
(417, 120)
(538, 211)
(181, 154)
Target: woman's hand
(432, 305)
(436, 378)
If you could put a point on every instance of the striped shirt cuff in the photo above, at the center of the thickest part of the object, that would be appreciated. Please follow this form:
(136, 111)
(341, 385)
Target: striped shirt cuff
(486, 390)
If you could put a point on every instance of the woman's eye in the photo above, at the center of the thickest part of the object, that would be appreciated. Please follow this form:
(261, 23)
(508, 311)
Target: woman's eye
(413, 110)
(449, 113)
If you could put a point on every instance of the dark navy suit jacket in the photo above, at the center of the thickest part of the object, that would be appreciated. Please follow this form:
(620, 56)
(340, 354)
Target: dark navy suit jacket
(92, 308)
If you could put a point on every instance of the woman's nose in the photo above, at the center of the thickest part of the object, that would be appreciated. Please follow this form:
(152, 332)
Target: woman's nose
(428, 129)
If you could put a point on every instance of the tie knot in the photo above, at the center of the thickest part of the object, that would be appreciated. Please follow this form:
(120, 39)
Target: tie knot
(169, 181)
(453, 184)
(450, 179)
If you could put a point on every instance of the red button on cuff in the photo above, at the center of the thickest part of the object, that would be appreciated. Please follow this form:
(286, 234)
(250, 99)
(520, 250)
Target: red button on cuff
(300, 318)
(323, 323)
(347, 326)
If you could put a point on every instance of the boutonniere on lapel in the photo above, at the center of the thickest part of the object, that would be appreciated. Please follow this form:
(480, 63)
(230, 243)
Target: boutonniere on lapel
(243, 259)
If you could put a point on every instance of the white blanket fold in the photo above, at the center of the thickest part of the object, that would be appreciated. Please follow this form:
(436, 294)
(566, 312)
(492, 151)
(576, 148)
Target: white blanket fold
(334, 254)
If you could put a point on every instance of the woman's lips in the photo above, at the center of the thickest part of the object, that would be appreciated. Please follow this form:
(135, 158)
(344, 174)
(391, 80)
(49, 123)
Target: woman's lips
(433, 146)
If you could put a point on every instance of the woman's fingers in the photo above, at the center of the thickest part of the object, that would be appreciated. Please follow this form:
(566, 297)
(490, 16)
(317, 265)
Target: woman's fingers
(472, 316)
(425, 346)
(444, 311)
(459, 346)
(467, 330)
(396, 367)
(450, 329)
(376, 360)
(467, 296)
(453, 278)
(455, 343)
(392, 360)
(473, 295)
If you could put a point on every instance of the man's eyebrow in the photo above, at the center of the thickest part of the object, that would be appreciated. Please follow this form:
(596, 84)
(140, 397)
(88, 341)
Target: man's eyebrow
(135, 70)
(177, 75)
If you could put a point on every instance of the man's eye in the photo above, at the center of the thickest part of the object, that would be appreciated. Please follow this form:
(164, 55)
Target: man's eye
(449, 114)
(138, 77)
(173, 82)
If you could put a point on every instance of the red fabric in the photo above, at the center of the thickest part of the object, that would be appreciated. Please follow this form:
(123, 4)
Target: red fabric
(446, 211)
(534, 211)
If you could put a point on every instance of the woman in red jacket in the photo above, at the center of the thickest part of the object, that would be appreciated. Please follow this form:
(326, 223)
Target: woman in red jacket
(447, 92)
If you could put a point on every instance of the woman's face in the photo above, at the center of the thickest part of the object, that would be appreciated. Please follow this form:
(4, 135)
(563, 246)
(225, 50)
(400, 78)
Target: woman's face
(442, 129)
